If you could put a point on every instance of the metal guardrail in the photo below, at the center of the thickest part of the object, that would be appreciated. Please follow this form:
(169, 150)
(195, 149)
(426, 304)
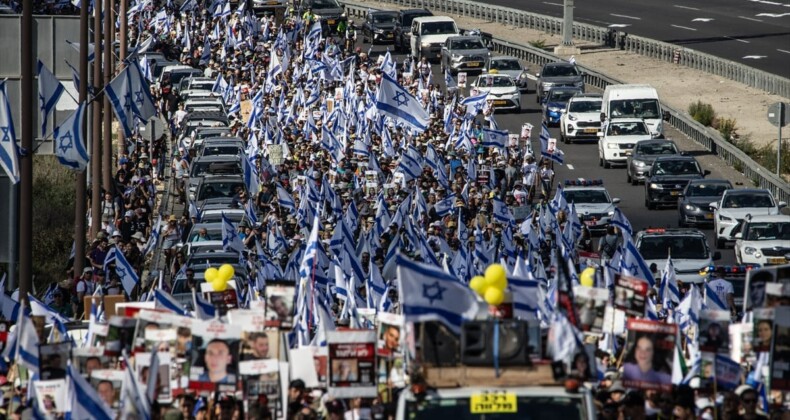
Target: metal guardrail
(709, 138)
(664, 51)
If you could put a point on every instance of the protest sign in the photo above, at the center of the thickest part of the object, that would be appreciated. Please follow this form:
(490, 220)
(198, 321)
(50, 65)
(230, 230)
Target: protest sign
(613, 321)
(250, 320)
(303, 366)
(649, 355)
(352, 357)
(462, 79)
(780, 351)
(88, 359)
(630, 294)
(275, 154)
(142, 362)
(740, 340)
(52, 397)
(280, 304)
(521, 212)
(108, 383)
(589, 259)
(591, 304)
(259, 345)
(763, 329)
(526, 131)
(713, 331)
(53, 360)
(262, 378)
(389, 334)
(216, 365)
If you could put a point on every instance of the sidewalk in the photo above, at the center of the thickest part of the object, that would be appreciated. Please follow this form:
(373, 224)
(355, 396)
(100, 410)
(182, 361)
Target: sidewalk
(678, 86)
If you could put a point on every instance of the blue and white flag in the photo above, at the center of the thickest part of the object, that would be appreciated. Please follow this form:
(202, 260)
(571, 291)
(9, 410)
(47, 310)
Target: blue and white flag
(230, 239)
(444, 206)
(632, 264)
(411, 164)
(75, 76)
(26, 342)
(134, 401)
(145, 67)
(76, 46)
(156, 230)
(622, 223)
(525, 297)
(39, 308)
(130, 97)
(8, 146)
(394, 101)
(203, 310)
(166, 301)
(565, 339)
(502, 212)
(69, 145)
(668, 293)
(126, 273)
(474, 104)
(495, 138)
(49, 91)
(85, 401)
(427, 293)
(712, 301)
(449, 81)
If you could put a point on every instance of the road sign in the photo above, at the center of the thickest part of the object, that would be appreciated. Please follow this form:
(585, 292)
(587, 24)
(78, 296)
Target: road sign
(777, 114)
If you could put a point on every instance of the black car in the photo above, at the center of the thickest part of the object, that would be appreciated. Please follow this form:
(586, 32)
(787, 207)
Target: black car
(401, 32)
(645, 152)
(379, 26)
(668, 178)
(694, 205)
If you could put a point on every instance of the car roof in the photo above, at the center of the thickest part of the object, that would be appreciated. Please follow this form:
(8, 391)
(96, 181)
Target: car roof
(212, 225)
(710, 181)
(671, 231)
(655, 141)
(383, 12)
(462, 37)
(559, 64)
(434, 19)
(745, 191)
(566, 88)
(218, 159)
(675, 157)
(626, 120)
(587, 96)
(503, 57)
(770, 218)
(415, 11)
(222, 177)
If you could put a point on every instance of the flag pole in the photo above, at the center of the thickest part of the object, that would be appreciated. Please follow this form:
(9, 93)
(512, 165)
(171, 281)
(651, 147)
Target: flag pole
(109, 38)
(96, 138)
(25, 204)
(82, 177)
(122, 57)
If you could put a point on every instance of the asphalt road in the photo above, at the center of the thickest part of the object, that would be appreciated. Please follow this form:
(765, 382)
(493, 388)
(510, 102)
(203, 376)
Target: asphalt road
(751, 32)
(581, 161)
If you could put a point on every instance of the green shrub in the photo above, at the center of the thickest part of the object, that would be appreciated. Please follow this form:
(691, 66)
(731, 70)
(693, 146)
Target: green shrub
(727, 127)
(538, 43)
(702, 113)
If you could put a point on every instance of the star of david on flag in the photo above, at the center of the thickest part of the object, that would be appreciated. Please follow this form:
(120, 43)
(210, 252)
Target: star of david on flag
(395, 101)
(49, 92)
(130, 97)
(69, 146)
(8, 147)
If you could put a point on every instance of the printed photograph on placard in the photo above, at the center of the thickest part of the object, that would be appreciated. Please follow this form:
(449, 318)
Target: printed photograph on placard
(108, 383)
(260, 345)
(120, 335)
(462, 79)
(763, 329)
(216, 364)
(390, 327)
(88, 359)
(53, 359)
(780, 353)
(714, 334)
(630, 294)
(590, 304)
(262, 388)
(352, 357)
(52, 397)
(649, 355)
(142, 362)
(280, 304)
(163, 339)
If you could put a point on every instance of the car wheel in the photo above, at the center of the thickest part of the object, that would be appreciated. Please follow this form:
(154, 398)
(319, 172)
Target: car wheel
(606, 164)
(634, 181)
(649, 205)
(720, 243)
(628, 176)
(600, 161)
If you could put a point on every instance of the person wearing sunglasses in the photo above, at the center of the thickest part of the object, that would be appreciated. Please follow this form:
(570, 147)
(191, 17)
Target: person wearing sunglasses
(749, 403)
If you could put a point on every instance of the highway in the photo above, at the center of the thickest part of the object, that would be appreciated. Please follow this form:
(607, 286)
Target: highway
(581, 161)
(751, 32)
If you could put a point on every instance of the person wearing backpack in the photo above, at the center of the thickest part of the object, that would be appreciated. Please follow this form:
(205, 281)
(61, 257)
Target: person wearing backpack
(608, 244)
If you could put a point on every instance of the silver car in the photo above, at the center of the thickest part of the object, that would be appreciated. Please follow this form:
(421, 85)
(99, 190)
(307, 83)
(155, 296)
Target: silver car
(556, 75)
(644, 154)
(464, 53)
(511, 66)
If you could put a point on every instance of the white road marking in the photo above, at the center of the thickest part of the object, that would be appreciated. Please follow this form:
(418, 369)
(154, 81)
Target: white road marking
(553, 4)
(772, 3)
(784, 51)
(619, 25)
(748, 18)
(625, 16)
(773, 15)
(702, 19)
(683, 27)
(736, 39)
(685, 7)
(569, 166)
(754, 57)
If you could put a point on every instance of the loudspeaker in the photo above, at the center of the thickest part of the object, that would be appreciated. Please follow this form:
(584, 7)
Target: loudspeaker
(438, 345)
(477, 343)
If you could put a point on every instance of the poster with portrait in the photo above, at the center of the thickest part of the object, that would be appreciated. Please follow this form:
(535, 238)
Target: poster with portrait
(720, 369)
(53, 359)
(630, 294)
(216, 365)
(714, 329)
(777, 294)
(755, 295)
(108, 383)
(257, 345)
(763, 329)
(780, 352)
(261, 380)
(740, 340)
(321, 363)
(120, 335)
(590, 304)
(280, 298)
(352, 362)
(163, 339)
(649, 355)
(88, 359)
(526, 131)
(51, 396)
(142, 361)
(462, 79)
(389, 333)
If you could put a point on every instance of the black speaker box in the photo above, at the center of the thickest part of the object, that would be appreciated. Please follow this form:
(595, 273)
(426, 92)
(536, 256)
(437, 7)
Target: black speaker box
(477, 343)
(439, 346)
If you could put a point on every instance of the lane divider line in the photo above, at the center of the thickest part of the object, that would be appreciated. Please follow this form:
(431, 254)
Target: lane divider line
(683, 27)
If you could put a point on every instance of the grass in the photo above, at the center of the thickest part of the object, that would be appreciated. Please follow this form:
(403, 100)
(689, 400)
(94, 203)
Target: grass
(702, 113)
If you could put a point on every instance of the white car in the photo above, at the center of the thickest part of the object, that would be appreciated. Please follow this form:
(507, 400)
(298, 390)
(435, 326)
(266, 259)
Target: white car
(733, 207)
(502, 91)
(617, 142)
(581, 119)
(763, 240)
(689, 249)
(593, 205)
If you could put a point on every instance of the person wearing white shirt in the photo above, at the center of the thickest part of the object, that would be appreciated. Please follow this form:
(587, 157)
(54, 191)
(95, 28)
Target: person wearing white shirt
(724, 291)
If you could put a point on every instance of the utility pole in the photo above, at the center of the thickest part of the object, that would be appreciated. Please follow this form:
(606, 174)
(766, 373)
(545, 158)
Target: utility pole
(121, 57)
(109, 35)
(26, 164)
(82, 177)
(96, 161)
(567, 47)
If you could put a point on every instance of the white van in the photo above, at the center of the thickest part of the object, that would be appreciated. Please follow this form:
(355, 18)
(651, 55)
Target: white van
(429, 33)
(635, 101)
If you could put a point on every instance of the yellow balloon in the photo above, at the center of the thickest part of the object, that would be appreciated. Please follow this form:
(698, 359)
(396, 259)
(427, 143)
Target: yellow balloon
(478, 284)
(211, 274)
(226, 272)
(587, 278)
(494, 296)
(496, 277)
(219, 284)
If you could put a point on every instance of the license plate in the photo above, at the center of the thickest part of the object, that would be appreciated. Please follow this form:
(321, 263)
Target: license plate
(628, 153)
(674, 192)
(709, 216)
(331, 21)
(389, 35)
(473, 64)
(590, 222)
(494, 402)
(590, 130)
(500, 102)
(776, 260)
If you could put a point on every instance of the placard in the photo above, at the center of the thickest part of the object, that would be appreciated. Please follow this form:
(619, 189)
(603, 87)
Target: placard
(53, 359)
(262, 384)
(714, 332)
(88, 359)
(280, 298)
(107, 383)
(352, 361)
(250, 320)
(780, 352)
(260, 345)
(52, 397)
(721, 369)
(389, 327)
(613, 321)
(630, 294)
(303, 366)
(275, 154)
(164, 393)
(521, 212)
(589, 259)
(512, 140)
(649, 355)
(526, 131)
(740, 341)
(763, 329)
(216, 365)
(245, 110)
(462, 79)
(591, 304)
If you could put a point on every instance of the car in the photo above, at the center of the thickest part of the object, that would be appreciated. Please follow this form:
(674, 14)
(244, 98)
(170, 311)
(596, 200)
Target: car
(213, 165)
(511, 66)
(694, 204)
(205, 104)
(593, 205)
(763, 240)
(196, 84)
(464, 53)
(618, 138)
(733, 206)
(558, 74)
(218, 187)
(201, 133)
(177, 72)
(428, 34)
(223, 145)
(502, 91)
(329, 12)
(668, 177)
(556, 101)
(645, 152)
(688, 248)
(401, 32)
(379, 26)
(213, 213)
(581, 119)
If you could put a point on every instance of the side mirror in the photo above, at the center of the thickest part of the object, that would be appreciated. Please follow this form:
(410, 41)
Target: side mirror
(738, 235)
(599, 134)
(714, 205)
(603, 116)
(781, 204)
(615, 201)
(537, 74)
(716, 256)
(705, 173)
(666, 115)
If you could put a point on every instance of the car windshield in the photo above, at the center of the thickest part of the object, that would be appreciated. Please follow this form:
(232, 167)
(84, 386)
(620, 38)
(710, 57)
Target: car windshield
(488, 81)
(201, 85)
(200, 234)
(734, 201)
(559, 71)
(325, 4)
(505, 65)
(586, 106)
(198, 168)
(384, 18)
(676, 167)
(767, 231)
(230, 149)
(635, 108)
(466, 44)
(219, 190)
(438, 28)
(656, 149)
(628, 129)
(681, 247)
(459, 408)
(561, 95)
(587, 196)
(706, 190)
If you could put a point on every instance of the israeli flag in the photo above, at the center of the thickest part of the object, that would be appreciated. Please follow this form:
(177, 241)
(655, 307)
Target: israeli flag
(622, 223)
(205, 55)
(525, 297)
(134, 400)
(126, 273)
(632, 264)
(411, 164)
(153, 241)
(669, 292)
(189, 5)
(75, 76)
(85, 401)
(474, 104)
(39, 308)
(449, 81)
(284, 199)
(220, 85)
(713, 301)
(26, 342)
(444, 206)
(230, 239)
(76, 46)
(49, 91)
(8, 147)
(167, 302)
(495, 138)
(394, 101)
(502, 213)
(145, 67)
(69, 146)
(428, 293)
(130, 97)
(203, 310)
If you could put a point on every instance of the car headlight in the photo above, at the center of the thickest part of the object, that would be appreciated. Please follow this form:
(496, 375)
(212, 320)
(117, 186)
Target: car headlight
(690, 207)
(638, 163)
(655, 186)
(725, 219)
(378, 31)
(425, 44)
(572, 117)
(579, 84)
(612, 146)
(547, 85)
(342, 15)
(456, 57)
(749, 250)
(555, 109)
(610, 213)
